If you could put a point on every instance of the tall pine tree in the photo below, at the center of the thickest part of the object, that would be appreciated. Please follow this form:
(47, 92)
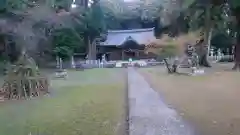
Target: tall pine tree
(96, 27)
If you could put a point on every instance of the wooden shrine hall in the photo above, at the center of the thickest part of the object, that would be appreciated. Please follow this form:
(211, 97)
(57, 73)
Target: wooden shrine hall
(125, 44)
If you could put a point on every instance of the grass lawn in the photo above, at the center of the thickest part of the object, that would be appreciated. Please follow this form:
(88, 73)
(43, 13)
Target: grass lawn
(210, 102)
(90, 102)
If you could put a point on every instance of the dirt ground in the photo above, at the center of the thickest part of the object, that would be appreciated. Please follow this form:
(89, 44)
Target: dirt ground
(210, 102)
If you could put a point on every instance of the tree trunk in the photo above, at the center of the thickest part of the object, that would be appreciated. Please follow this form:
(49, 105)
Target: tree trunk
(203, 61)
(237, 45)
(204, 50)
(94, 50)
(87, 41)
(237, 57)
(203, 57)
(89, 49)
(237, 52)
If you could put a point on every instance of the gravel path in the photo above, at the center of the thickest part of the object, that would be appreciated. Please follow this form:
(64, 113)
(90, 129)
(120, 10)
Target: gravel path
(148, 114)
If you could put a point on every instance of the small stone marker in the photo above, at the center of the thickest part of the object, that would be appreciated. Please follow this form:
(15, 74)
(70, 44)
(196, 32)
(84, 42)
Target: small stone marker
(1, 99)
(1, 95)
(118, 65)
(196, 71)
(61, 74)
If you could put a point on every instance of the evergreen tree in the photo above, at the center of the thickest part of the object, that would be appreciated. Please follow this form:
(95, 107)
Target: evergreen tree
(95, 28)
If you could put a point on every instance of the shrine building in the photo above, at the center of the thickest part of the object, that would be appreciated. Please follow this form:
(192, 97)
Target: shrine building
(125, 44)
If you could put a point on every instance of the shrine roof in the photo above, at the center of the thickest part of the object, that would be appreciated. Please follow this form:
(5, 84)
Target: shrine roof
(119, 37)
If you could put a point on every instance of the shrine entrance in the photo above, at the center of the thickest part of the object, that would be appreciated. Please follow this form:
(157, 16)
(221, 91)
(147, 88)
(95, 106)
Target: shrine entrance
(126, 54)
(130, 49)
(129, 53)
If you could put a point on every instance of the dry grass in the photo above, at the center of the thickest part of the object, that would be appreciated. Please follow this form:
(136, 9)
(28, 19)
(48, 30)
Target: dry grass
(179, 43)
(209, 102)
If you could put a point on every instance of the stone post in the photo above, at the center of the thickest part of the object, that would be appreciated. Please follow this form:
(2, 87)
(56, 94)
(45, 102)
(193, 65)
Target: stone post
(58, 62)
(73, 65)
(219, 54)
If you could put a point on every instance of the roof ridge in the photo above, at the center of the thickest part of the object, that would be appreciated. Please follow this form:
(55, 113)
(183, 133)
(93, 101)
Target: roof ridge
(131, 31)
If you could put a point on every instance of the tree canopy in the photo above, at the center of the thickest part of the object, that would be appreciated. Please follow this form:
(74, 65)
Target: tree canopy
(87, 23)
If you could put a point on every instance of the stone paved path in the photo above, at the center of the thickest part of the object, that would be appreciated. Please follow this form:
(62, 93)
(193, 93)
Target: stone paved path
(148, 114)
